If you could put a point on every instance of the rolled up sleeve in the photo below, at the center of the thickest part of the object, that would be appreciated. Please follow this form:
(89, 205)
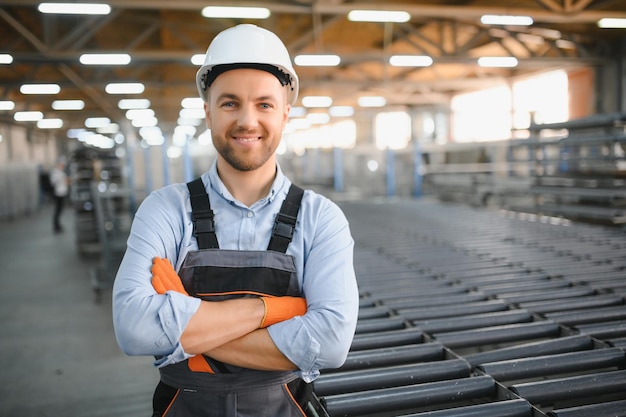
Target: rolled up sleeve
(322, 337)
(147, 323)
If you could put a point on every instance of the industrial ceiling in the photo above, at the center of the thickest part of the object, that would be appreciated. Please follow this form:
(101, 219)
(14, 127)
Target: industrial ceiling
(161, 36)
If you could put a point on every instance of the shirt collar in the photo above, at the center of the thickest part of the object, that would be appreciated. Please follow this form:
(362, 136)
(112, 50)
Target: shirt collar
(215, 182)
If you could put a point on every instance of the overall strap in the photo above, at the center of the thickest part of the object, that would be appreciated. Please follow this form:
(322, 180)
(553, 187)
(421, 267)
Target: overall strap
(202, 215)
(286, 220)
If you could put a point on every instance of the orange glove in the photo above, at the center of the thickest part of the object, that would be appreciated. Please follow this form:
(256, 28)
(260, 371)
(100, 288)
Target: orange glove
(279, 309)
(165, 278)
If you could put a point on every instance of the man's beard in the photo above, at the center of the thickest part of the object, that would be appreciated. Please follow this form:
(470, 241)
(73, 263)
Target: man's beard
(244, 161)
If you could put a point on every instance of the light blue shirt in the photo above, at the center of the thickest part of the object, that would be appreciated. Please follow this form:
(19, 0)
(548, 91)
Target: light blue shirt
(147, 323)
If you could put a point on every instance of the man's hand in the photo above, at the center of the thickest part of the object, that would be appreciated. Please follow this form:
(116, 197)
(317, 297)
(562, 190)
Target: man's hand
(279, 309)
(165, 278)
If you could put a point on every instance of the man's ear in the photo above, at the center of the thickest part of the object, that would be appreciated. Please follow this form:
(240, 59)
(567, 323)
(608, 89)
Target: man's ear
(286, 114)
(207, 115)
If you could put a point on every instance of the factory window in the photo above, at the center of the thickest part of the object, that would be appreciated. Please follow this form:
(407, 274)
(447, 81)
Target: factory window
(392, 130)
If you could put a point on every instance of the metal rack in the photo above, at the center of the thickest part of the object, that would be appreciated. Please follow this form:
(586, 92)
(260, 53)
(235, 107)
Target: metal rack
(113, 219)
(467, 312)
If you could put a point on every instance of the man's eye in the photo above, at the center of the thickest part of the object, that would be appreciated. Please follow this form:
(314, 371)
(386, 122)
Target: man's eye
(229, 104)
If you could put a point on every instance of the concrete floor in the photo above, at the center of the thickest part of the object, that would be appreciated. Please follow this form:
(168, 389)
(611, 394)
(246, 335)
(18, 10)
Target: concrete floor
(58, 353)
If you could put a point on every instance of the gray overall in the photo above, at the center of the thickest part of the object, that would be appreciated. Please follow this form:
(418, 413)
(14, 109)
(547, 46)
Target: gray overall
(224, 390)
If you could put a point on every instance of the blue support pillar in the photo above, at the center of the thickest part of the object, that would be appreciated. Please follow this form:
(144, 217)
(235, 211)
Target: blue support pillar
(338, 169)
(187, 166)
(166, 163)
(391, 173)
(147, 162)
(130, 178)
(418, 169)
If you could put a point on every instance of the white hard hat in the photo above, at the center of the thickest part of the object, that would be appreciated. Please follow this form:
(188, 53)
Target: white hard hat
(247, 46)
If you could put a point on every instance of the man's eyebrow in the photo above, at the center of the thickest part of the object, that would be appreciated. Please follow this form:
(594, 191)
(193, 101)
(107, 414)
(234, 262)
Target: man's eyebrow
(227, 96)
(231, 96)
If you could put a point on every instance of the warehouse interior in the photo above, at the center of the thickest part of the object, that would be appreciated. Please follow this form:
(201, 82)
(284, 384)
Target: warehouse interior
(480, 162)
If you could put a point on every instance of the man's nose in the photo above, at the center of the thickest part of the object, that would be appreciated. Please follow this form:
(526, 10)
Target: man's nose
(248, 117)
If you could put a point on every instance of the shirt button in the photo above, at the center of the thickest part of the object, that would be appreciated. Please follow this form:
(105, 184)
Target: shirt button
(250, 214)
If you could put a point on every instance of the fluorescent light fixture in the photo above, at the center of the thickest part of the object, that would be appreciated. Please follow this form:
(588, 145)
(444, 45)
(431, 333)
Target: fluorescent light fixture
(192, 103)
(7, 105)
(133, 103)
(124, 88)
(494, 19)
(317, 60)
(341, 111)
(410, 61)
(198, 59)
(40, 89)
(145, 122)
(372, 101)
(68, 104)
(6, 58)
(318, 118)
(75, 8)
(498, 61)
(133, 114)
(74, 133)
(297, 112)
(236, 12)
(152, 135)
(378, 16)
(28, 116)
(181, 121)
(104, 59)
(612, 23)
(50, 123)
(192, 114)
(317, 101)
(96, 122)
(111, 129)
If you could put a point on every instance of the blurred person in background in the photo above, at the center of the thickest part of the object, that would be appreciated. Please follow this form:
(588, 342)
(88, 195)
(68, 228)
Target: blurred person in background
(60, 188)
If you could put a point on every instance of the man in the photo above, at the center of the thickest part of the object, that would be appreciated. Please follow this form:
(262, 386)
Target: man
(60, 188)
(240, 284)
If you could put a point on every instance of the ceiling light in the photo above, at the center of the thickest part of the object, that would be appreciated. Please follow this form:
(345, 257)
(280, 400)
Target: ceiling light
(96, 122)
(318, 118)
(192, 113)
(198, 59)
(133, 103)
(192, 103)
(110, 129)
(410, 61)
(40, 89)
(68, 104)
(124, 88)
(6, 58)
(297, 112)
(145, 122)
(104, 59)
(317, 60)
(181, 121)
(28, 116)
(50, 123)
(494, 19)
(378, 16)
(612, 23)
(75, 8)
(7, 105)
(341, 111)
(133, 114)
(317, 101)
(236, 12)
(497, 61)
(372, 101)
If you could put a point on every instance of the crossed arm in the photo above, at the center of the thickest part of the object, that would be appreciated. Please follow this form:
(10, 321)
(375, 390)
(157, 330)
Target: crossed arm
(232, 331)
